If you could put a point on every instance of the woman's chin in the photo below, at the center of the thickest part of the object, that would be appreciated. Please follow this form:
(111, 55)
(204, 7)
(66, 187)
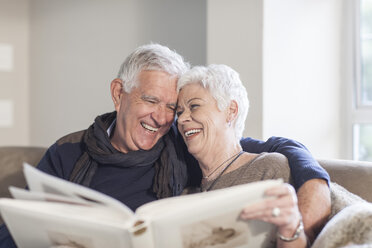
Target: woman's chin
(192, 150)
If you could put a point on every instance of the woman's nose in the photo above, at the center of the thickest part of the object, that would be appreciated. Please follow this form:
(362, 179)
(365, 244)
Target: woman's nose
(184, 116)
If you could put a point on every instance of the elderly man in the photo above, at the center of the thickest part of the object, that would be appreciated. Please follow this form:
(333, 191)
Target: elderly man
(135, 154)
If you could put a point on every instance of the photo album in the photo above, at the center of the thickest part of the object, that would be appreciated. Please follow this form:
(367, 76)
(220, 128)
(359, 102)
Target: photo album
(56, 213)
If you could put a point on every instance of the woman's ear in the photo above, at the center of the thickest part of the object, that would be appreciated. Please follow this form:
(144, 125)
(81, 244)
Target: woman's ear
(232, 111)
(116, 92)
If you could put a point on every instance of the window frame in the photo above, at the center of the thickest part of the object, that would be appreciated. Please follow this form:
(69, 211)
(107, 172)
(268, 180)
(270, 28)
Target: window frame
(360, 113)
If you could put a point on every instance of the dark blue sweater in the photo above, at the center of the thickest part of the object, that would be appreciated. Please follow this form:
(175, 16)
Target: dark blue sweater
(133, 186)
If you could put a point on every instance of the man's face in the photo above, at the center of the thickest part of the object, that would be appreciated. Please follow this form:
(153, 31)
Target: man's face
(146, 113)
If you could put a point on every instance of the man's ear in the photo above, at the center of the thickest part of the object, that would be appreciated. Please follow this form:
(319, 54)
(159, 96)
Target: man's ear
(232, 111)
(116, 92)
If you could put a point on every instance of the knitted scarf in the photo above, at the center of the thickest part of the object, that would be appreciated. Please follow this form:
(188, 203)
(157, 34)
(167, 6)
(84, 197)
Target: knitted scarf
(166, 156)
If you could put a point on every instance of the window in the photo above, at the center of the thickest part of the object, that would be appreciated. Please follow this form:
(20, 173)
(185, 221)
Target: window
(365, 89)
(362, 112)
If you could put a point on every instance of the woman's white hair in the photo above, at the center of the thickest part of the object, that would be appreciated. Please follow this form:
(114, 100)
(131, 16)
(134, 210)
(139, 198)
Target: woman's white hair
(225, 85)
(150, 57)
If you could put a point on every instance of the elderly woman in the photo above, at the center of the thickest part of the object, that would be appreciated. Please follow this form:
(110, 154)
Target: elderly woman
(212, 108)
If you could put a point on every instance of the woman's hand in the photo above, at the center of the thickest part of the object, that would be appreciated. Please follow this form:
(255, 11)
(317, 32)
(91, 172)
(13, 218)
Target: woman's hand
(280, 209)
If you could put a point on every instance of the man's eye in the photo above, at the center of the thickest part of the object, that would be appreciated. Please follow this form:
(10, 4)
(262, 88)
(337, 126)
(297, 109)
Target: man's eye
(172, 108)
(151, 100)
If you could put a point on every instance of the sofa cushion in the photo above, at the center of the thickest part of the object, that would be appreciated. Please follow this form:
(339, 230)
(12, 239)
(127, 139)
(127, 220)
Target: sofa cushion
(346, 227)
(11, 160)
(350, 227)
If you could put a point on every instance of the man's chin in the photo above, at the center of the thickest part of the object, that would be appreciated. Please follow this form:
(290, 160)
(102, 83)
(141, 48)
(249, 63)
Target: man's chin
(148, 145)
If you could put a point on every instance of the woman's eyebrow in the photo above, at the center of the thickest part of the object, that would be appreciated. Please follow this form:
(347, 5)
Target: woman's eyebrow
(195, 98)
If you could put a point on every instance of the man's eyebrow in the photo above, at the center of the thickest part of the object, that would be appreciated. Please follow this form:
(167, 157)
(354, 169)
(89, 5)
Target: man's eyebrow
(147, 97)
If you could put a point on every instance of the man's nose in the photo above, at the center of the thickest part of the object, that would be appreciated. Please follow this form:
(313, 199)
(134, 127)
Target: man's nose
(161, 115)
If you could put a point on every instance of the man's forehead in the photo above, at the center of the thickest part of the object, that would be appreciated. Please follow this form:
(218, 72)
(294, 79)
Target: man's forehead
(157, 94)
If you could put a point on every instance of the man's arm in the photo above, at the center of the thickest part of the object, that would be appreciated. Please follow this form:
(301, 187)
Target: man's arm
(310, 180)
(314, 202)
(303, 166)
(6, 240)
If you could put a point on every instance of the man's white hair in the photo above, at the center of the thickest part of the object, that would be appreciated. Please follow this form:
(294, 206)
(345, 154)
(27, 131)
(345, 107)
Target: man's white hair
(225, 85)
(150, 57)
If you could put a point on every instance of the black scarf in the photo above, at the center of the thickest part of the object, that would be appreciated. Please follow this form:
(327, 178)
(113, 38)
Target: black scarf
(166, 156)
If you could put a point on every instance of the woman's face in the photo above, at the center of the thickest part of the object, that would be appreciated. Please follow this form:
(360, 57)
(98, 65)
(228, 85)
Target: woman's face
(200, 122)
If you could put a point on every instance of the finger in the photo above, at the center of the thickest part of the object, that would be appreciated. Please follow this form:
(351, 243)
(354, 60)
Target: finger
(264, 210)
(269, 213)
(283, 189)
(267, 205)
(256, 207)
(285, 217)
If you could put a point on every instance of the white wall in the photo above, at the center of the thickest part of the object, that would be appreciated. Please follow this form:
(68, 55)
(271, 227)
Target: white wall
(234, 37)
(301, 80)
(288, 54)
(77, 48)
(14, 77)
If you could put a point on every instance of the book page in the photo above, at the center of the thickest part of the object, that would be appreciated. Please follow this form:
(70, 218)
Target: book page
(36, 224)
(23, 194)
(210, 219)
(39, 181)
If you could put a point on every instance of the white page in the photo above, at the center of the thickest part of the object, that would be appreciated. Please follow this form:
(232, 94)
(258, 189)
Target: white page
(237, 194)
(23, 194)
(188, 221)
(37, 224)
(39, 181)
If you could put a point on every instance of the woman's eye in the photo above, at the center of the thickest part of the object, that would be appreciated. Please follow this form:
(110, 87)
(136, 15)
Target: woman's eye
(193, 106)
(179, 113)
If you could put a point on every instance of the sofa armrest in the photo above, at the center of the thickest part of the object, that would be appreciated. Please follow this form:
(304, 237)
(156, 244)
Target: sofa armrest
(355, 176)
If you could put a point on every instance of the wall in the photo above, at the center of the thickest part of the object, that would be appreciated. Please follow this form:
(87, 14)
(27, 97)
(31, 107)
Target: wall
(288, 54)
(301, 80)
(234, 37)
(77, 48)
(14, 77)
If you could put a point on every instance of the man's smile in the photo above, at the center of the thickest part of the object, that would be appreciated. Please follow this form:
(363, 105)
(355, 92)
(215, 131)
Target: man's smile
(149, 128)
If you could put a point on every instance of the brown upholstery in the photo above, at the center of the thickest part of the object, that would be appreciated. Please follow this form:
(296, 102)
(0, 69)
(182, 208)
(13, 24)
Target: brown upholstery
(353, 175)
(11, 160)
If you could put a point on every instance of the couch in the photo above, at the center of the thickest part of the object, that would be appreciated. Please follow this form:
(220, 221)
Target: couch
(354, 176)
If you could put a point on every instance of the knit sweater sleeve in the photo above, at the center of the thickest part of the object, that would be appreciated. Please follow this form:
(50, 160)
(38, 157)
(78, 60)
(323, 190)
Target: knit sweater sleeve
(302, 164)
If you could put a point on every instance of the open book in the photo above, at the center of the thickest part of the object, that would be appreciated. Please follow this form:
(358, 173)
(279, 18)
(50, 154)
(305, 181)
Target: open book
(58, 213)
